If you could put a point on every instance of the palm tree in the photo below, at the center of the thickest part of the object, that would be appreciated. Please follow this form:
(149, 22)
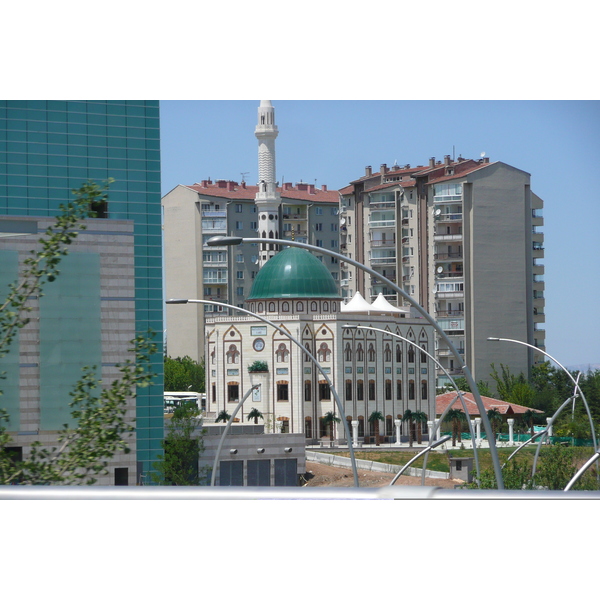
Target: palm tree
(223, 416)
(255, 414)
(528, 418)
(407, 417)
(495, 419)
(420, 418)
(375, 417)
(329, 418)
(456, 417)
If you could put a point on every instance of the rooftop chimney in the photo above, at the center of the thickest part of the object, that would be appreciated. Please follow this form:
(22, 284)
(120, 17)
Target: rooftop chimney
(384, 169)
(368, 171)
(447, 159)
(432, 162)
(323, 187)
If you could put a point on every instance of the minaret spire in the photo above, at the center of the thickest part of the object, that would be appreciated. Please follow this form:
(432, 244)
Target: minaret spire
(268, 199)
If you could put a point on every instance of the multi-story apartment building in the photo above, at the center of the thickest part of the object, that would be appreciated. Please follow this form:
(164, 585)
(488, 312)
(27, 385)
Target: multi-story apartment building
(110, 286)
(460, 237)
(193, 214)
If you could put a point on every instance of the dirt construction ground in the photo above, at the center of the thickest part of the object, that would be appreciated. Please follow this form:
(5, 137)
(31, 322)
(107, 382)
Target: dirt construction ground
(320, 475)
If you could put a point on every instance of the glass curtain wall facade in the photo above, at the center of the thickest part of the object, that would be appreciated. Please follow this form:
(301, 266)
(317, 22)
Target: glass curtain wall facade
(48, 148)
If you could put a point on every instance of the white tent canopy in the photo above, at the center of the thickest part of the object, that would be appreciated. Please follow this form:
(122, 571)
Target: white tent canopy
(382, 305)
(357, 305)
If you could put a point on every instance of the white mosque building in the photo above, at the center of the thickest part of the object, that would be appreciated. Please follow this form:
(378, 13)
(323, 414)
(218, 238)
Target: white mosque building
(370, 371)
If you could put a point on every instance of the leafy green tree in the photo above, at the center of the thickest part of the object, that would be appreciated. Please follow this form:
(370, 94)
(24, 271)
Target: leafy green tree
(256, 415)
(456, 418)
(83, 451)
(374, 418)
(223, 416)
(329, 420)
(463, 385)
(183, 374)
(420, 418)
(407, 417)
(181, 449)
(528, 417)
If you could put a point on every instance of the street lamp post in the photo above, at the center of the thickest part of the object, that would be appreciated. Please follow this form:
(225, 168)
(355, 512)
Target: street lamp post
(459, 395)
(226, 431)
(313, 359)
(234, 241)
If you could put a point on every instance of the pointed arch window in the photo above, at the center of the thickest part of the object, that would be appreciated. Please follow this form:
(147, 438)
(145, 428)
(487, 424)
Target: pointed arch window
(233, 355)
(387, 353)
(399, 389)
(398, 353)
(360, 353)
(371, 353)
(423, 390)
(306, 356)
(348, 352)
(411, 355)
(324, 353)
(423, 355)
(282, 353)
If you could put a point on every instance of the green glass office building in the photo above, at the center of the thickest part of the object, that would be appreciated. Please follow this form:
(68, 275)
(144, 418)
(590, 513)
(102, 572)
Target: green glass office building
(48, 148)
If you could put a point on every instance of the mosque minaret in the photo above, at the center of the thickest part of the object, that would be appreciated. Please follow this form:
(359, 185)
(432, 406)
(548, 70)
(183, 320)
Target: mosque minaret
(268, 199)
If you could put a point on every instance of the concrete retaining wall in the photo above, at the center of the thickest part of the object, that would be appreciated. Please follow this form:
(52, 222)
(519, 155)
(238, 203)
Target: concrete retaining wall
(370, 465)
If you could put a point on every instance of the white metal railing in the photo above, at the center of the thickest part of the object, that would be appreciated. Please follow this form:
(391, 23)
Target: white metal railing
(395, 492)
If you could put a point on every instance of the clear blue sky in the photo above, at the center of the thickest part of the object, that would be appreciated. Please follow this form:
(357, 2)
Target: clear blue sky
(331, 142)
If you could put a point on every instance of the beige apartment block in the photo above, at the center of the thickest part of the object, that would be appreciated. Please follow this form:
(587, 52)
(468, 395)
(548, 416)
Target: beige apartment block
(462, 237)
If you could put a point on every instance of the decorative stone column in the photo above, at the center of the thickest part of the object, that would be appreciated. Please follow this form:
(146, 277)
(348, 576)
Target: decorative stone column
(478, 430)
(397, 423)
(354, 434)
(511, 423)
(430, 430)
(548, 419)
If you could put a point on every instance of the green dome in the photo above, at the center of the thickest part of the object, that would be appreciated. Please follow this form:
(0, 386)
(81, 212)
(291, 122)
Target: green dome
(294, 273)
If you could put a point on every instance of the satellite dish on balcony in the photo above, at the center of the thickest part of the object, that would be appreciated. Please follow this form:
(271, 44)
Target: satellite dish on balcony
(343, 221)
(440, 269)
(438, 212)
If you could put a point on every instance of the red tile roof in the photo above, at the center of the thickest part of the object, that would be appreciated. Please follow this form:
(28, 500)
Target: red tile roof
(405, 184)
(231, 190)
(504, 408)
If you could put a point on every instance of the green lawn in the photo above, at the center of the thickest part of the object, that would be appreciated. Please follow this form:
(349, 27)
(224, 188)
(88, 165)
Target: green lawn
(438, 461)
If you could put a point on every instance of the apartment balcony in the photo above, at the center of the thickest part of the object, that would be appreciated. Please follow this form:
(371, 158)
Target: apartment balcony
(449, 217)
(214, 214)
(215, 263)
(452, 324)
(380, 224)
(344, 282)
(448, 237)
(382, 205)
(448, 274)
(448, 255)
(383, 243)
(295, 233)
(294, 217)
(449, 313)
(380, 261)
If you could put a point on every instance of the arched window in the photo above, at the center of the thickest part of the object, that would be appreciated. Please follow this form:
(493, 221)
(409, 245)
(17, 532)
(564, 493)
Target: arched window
(324, 353)
(411, 355)
(271, 306)
(307, 391)
(213, 357)
(371, 353)
(233, 356)
(423, 390)
(371, 389)
(388, 389)
(285, 307)
(348, 390)
(307, 427)
(306, 356)
(360, 391)
(299, 306)
(282, 353)
(423, 355)
(313, 307)
(398, 353)
(389, 425)
(325, 306)
(411, 390)
(348, 352)
(399, 389)
(361, 426)
(360, 353)
(260, 307)
(387, 353)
